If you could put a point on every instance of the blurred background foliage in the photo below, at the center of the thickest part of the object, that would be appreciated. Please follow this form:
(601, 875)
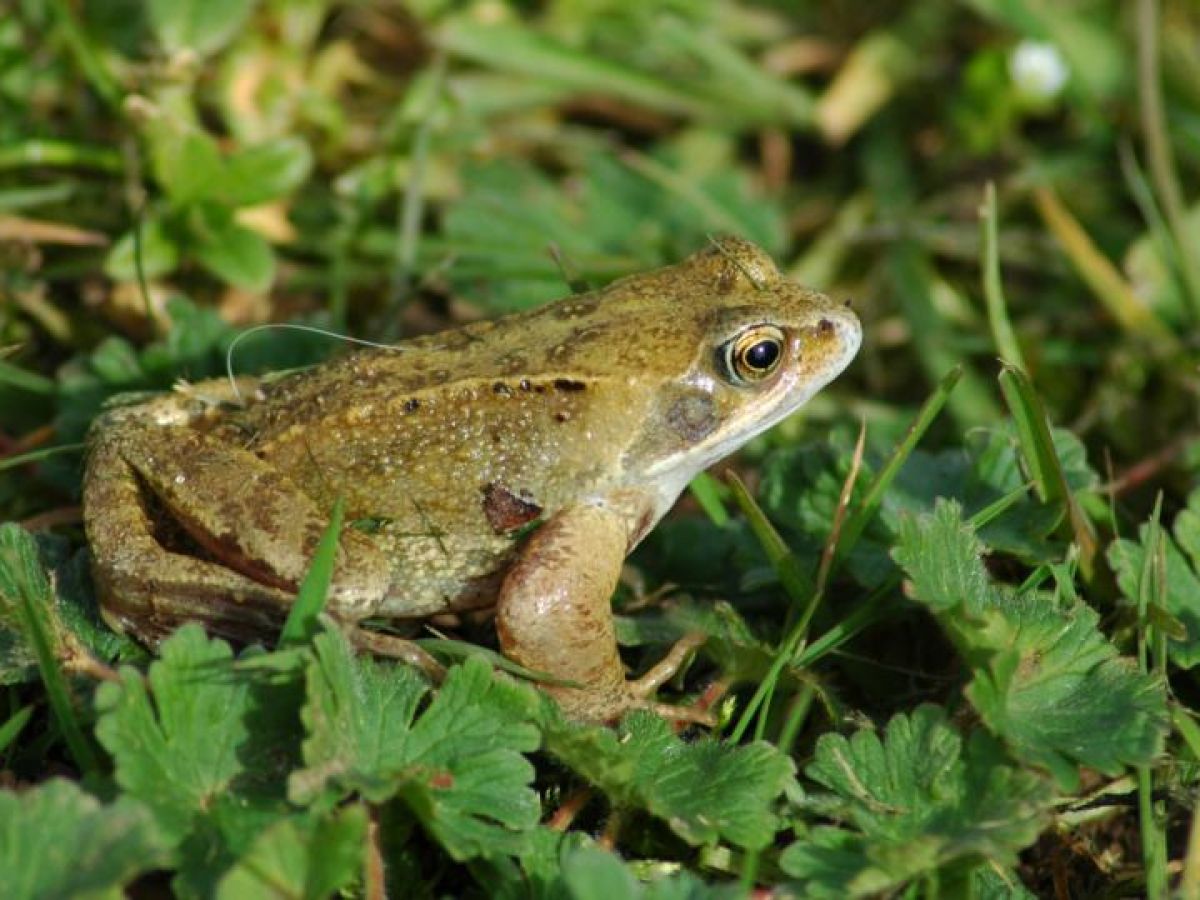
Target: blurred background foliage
(385, 167)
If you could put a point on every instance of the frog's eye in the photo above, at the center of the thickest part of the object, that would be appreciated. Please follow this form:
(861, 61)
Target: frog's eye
(752, 355)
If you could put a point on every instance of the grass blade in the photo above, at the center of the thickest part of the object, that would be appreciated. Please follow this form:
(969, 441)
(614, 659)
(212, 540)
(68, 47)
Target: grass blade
(796, 582)
(1160, 156)
(15, 376)
(1037, 448)
(14, 726)
(1041, 457)
(21, 459)
(993, 290)
(858, 521)
(301, 624)
(513, 49)
(25, 589)
(707, 492)
(1115, 294)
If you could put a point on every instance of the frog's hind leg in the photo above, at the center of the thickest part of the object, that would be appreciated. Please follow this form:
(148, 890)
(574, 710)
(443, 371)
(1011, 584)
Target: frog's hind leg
(251, 535)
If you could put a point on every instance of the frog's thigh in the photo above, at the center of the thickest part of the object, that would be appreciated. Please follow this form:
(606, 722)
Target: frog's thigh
(554, 612)
(148, 591)
(251, 518)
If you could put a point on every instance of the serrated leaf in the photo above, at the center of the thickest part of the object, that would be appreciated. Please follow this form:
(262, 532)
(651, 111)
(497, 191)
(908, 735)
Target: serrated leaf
(303, 856)
(1182, 582)
(57, 841)
(205, 746)
(919, 800)
(458, 766)
(1047, 681)
(179, 737)
(801, 488)
(706, 790)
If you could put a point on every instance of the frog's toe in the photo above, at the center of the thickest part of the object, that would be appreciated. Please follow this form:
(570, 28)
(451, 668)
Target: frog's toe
(664, 670)
(693, 715)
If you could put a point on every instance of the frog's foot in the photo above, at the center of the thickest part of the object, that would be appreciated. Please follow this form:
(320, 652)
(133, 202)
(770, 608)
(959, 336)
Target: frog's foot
(396, 648)
(643, 689)
(664, 670)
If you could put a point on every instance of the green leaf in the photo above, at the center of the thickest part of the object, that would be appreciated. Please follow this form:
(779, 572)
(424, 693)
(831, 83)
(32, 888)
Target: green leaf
(178, 736)
(1182, 582)
(192, 169)
(202, 26)
(589, 873)
(458, 766)
(705, 790)
(160, 252)
(187, 162)
(918, 801)
(235, 254)
(265, 171)
(205, 745)
(57, 841)
(303, 856)
(1046, 679)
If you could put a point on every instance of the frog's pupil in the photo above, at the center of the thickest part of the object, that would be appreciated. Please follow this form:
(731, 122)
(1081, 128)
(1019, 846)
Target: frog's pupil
(762, 355)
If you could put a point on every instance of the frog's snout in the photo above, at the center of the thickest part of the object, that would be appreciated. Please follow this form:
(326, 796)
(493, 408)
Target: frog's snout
(837, 333)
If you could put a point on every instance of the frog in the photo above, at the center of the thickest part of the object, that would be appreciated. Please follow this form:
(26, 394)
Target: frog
(504, 468)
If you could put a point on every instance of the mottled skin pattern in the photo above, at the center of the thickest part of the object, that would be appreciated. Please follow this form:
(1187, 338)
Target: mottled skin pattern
(580, 422)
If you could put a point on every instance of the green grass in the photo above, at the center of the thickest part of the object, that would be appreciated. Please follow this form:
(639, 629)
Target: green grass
(951, 611)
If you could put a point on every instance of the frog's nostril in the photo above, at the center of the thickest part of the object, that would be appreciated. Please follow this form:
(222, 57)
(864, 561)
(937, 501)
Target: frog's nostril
(825, 328)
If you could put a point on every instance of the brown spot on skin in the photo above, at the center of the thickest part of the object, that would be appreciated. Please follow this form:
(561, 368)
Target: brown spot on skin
(501, 389)
(505, 511)
(569, 385)
(412, 405)
(561, 416)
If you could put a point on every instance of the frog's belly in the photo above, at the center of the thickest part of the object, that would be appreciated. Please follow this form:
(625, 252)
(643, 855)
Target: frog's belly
(434, 573)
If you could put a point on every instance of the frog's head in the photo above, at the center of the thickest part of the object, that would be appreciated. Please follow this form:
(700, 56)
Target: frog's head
(743, 348)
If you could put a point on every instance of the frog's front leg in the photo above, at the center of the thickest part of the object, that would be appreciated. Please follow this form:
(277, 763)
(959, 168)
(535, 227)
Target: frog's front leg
(554, 615)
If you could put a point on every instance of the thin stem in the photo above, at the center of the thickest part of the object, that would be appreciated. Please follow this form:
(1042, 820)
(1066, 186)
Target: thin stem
(1160, 157)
